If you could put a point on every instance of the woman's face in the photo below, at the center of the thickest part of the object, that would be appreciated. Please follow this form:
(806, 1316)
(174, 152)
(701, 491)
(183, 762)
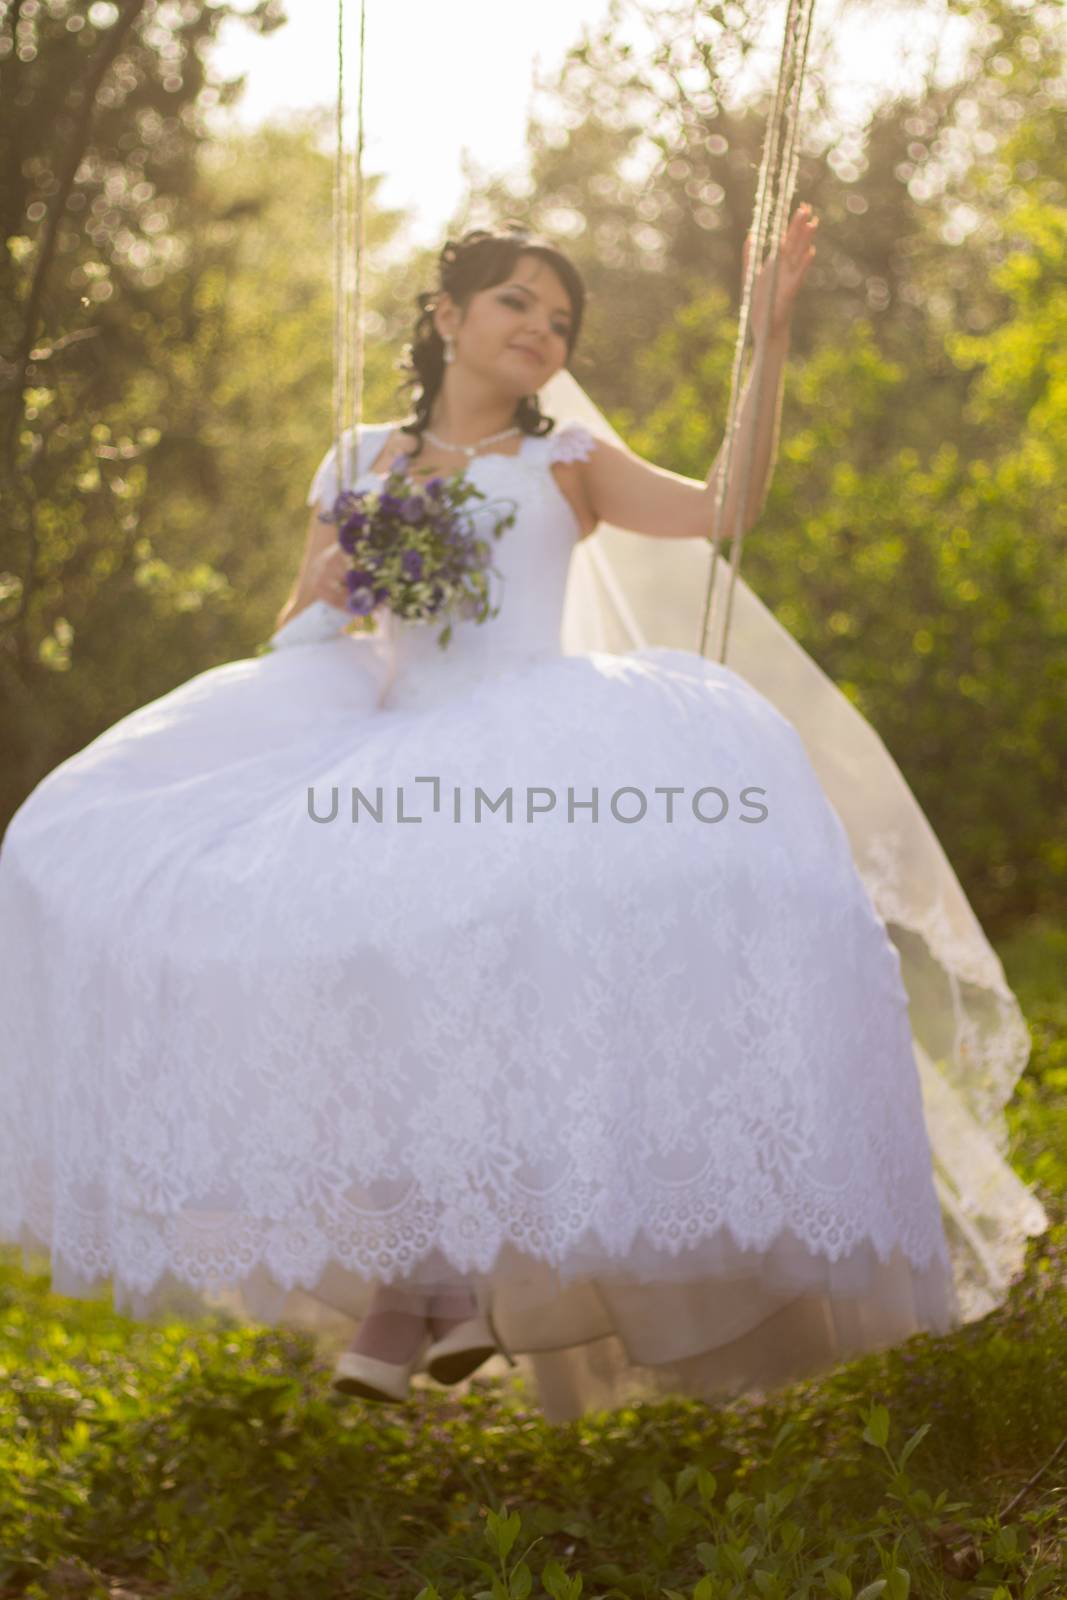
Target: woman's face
(514, 332)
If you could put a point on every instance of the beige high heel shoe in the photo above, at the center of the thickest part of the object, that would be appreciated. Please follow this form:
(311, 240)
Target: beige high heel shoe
(370, 1378)
(465, 1347)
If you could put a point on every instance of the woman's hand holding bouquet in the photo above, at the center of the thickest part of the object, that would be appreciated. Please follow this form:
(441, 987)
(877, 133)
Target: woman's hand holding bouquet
(417, 552)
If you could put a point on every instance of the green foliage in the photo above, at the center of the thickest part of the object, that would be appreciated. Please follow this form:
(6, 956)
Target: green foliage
(1035, 959)
(176, 1462)
(178, 379)
(90, 322)
(934, 594)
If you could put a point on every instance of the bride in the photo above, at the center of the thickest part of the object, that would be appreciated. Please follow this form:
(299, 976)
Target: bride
(609, 1071)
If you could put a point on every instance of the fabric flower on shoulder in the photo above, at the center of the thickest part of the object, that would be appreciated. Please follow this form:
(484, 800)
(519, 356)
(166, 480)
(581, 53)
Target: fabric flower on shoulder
(574, 442)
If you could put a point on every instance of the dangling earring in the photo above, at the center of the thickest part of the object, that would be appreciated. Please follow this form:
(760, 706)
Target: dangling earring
(450, 349)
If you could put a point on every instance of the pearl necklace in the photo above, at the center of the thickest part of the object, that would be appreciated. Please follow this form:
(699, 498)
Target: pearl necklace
(469, 450)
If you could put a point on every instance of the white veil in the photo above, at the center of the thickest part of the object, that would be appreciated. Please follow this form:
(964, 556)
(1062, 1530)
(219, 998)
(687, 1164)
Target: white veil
(971, 1042)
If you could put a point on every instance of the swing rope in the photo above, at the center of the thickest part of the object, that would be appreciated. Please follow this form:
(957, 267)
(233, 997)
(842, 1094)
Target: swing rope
(777, 181)
(349, 240)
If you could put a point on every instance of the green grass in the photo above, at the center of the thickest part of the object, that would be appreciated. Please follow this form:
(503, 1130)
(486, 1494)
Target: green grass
(214, 1460)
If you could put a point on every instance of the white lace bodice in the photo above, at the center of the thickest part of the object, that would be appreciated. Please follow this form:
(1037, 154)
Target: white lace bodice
(532, 559)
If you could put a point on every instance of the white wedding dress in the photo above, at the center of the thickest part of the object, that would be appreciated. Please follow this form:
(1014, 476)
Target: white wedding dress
(648, 1084)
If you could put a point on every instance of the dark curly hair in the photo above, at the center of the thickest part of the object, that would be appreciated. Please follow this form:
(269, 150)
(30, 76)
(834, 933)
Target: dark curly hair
(478, 260)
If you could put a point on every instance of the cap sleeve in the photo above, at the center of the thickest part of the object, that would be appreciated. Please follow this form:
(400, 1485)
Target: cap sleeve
(324, 484)
(573, 442)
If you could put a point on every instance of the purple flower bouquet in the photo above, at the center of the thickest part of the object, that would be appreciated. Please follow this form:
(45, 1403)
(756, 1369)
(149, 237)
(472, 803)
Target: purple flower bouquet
(417, 551)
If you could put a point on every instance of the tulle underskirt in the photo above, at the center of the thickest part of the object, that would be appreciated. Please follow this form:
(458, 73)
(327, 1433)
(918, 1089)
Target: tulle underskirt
(712, 1322)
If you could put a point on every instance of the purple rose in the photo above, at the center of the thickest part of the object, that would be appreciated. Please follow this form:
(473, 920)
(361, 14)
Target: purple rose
(358, 578)
(411, 562)
(413, 509)
(388, 504)
(361, 601)
(381, 593)
(434, 487)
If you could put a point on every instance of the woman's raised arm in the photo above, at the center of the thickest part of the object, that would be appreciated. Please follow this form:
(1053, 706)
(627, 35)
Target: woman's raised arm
(629, 492)
(622, 489)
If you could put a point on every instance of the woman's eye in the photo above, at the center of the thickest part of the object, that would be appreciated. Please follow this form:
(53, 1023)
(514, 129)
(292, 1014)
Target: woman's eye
(520, 305)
